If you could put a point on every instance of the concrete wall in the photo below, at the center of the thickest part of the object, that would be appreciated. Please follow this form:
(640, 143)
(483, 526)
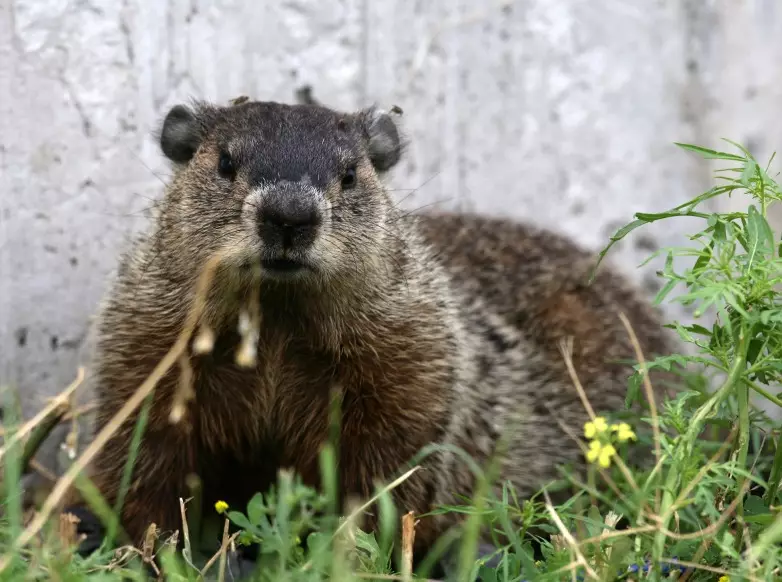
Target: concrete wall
(560, 112)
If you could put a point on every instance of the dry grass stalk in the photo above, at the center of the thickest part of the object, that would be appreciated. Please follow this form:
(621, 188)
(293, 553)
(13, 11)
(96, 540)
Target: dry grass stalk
(608, 534)
(572, 544)
(80, 411)
(223, 553)
(204, 342)
(703, 567)
(711, 529)
(100, 440)
(249, 329)
(59, 405)
(172, 541)
(122, 556)
(408, 537)
(71, 443)
(223, 548)
(566, 348)
(359, 510)
(187, 552)
(148, 547)
(705, 544)
(185, 392)
(649, 397)
(393, 485)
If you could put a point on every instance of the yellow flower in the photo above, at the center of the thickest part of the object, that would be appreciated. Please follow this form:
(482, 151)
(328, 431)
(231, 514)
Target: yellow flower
(606, 453)
(221, 506)
(594, 427)
(600, 453)
(623, 432)
(724, 579)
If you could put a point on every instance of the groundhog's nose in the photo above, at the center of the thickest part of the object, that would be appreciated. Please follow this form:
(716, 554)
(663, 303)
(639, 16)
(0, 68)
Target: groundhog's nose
(288, 221)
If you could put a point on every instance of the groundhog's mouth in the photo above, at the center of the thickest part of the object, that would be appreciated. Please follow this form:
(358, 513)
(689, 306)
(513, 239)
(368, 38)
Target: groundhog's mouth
(282, 265)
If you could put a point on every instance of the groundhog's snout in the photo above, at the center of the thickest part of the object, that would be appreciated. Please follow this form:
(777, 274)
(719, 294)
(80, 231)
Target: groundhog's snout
(288, 220)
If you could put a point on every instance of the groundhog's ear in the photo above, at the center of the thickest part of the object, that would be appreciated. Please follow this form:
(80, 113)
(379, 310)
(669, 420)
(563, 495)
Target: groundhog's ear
(384, 137)
(181, 133)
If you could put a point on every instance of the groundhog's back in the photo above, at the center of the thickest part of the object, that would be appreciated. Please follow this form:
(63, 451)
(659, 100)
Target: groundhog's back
(538, 282)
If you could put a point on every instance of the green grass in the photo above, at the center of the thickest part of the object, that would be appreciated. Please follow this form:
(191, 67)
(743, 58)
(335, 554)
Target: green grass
(708, 507)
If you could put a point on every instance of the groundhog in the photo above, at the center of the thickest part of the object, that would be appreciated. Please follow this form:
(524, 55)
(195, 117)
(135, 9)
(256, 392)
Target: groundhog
(431, 327)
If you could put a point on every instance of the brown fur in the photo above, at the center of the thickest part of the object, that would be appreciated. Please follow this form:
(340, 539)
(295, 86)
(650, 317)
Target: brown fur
(430, 327)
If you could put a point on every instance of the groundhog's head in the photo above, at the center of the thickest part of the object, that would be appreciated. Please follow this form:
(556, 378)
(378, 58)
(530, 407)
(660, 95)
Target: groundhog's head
(294, 186)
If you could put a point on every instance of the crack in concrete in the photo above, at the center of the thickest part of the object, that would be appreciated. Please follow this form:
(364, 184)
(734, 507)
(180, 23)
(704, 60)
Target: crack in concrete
(127, 37)
(86, 124)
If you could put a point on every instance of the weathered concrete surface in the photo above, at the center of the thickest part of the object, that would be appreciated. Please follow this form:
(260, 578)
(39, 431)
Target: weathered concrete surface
(561, 112)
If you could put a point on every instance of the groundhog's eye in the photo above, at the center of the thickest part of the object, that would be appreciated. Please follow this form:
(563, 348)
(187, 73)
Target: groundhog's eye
(349, 179)
(226, 166)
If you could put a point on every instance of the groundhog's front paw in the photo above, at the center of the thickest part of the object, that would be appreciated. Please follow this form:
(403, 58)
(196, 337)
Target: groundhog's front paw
(90, 527)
